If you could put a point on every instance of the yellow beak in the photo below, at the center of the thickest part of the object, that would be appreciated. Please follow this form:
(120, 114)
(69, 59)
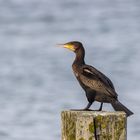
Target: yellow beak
(68, 46)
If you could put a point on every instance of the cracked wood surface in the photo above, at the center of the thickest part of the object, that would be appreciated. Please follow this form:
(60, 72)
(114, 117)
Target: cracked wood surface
(93, 125)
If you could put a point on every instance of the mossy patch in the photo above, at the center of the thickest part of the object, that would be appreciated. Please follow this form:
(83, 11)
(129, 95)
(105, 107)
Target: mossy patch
(90, 138)
(91, 127)
(72, 137)
(81, 139)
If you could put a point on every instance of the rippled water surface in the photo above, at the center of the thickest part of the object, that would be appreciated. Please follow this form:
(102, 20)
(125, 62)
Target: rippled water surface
(36, 80)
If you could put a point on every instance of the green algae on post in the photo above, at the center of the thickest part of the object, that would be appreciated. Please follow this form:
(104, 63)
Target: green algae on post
(85, 125)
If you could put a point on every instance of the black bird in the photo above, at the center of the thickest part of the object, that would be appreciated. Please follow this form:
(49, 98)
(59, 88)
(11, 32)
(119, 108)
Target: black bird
(96, 85)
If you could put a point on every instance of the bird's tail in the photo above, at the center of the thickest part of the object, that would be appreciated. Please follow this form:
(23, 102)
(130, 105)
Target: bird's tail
(120, 107)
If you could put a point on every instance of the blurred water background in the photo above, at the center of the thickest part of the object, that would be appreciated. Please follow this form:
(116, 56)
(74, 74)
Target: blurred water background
(36, 80)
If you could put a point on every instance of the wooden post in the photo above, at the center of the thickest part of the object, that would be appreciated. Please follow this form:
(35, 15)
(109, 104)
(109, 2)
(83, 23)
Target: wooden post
(93, 125)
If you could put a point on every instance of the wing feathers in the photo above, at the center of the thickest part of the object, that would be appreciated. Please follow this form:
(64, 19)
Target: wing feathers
(99, 79)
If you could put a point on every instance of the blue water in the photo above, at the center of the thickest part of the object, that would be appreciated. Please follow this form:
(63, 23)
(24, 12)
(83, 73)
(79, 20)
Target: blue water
(36, 80)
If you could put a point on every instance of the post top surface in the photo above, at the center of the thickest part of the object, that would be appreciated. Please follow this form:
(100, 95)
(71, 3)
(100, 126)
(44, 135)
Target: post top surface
(94, 113)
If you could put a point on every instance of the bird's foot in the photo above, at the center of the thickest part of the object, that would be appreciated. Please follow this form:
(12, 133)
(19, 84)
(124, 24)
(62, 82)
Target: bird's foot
(101, 106)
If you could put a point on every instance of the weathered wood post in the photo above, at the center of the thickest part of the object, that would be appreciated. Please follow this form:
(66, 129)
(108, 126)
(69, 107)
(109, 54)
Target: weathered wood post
(93, 125)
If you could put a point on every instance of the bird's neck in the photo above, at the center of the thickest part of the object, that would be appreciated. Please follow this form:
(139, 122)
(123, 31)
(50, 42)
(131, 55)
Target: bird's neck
(79, 59)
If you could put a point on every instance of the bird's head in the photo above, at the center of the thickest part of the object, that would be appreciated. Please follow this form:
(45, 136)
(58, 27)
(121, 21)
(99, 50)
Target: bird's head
(73, 46)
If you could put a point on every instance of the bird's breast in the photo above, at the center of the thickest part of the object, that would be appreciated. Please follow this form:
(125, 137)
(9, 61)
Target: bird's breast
(76, 70)
(76, 73)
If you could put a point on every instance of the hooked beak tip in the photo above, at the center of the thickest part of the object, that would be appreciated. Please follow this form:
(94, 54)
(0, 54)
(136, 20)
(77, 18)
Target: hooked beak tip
(60, 45)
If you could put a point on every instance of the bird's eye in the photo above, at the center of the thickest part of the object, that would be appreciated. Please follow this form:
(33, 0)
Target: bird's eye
(76, 47)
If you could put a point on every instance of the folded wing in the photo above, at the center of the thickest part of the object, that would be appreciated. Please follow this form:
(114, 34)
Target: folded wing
(94, 79)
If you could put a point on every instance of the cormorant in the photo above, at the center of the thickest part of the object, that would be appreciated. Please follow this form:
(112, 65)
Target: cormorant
(96, 85)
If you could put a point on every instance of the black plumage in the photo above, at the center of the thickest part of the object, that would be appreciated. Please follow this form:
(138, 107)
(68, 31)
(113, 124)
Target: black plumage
(96, 85)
